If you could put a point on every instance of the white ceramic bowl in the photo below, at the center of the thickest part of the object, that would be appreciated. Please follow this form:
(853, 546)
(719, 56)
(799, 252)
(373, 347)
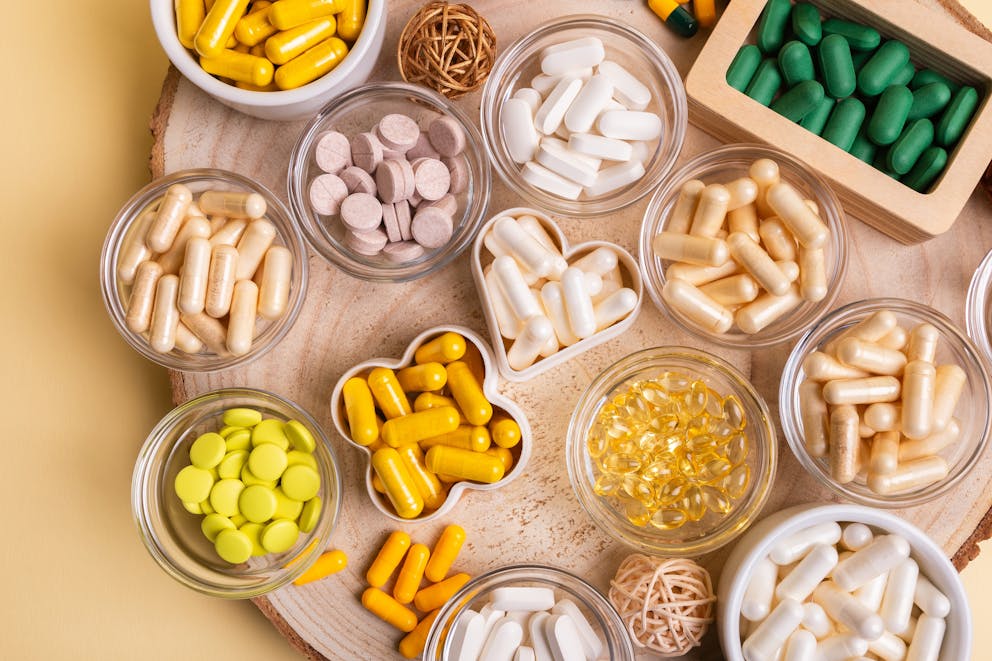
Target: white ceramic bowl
(760, 539)
(288, 105)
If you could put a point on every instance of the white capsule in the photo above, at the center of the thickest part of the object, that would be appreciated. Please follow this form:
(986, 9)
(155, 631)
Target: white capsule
(871, 593)
(888, 647)
(273, 290)
(142, 298)
(519, 135)
(588, 104)
(565, 163)
(538, 636)
(910, 475)
(514, 288)
(932, 444)
(509, 324)
(931, 601)
(522, 599)
(698, 250)
(533, 226)
(165, 314)
(601, 147)
(614, 307)
(862, 391)
(193, 227)
(700, 275)
(918, 387)
(798, 544)
(540, 177)
(684, 210)
(812, 274)
(600, 261)
(758, 263)
(186, 340)
(757, 600)
(870, 329)
(626, 88)
(766, 309)
(616, 177)
(696, 306)
(135, 251)
(551, 113)
(820, 366)
(578, 305)
(171, 211)
(503, 641)
(592, 644)
(884, 553)
(554, 304)
(927, 639)
(883, 416)
(776, 239)
(801, 646)
(844, 609)
(629, 125)
(525, 653)
(813, 410)
(948, 386)
(856, 536)
(241, 322)
(252, 247)
(524, 247)
(801, 221)
(568, 55)
(533, 338)
(806, 575)
(593, 283)
(841, 647)
(193, 277)
(765, 641)
(530, 96)
(230, 233)
(815, 620)
(897, 338)
(897, 604)
(923, 341)
(734, 290)
(220, 280)
(744, 219)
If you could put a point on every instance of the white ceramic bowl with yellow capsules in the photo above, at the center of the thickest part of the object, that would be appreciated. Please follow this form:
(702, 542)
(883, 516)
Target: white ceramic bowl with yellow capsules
(287, 105)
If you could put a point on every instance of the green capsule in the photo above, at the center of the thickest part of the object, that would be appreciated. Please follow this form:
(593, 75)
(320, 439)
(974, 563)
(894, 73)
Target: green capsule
(863, 148)
(764, 86)
(927, 76)
(927, 168)
(806, 23)
(929, 100)
(904, 75)
(742, 69)
(860, 57)
(795, 63)
(844, 123)
(837, 67)
(799, 101)
(879, 72)
(860, 37)
(889, 117)
(956, 116)
(904, 152)
(816, 119)
(771, 27)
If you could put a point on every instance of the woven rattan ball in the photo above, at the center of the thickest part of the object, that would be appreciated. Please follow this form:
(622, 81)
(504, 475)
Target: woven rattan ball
(449, 48)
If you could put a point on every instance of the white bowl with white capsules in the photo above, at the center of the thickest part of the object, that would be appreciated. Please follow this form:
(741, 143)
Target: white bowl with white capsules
(606, 83)
(545, 300)
(788, 536)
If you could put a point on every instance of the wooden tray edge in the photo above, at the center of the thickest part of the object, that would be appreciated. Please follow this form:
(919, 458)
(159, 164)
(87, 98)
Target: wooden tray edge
(289, 633)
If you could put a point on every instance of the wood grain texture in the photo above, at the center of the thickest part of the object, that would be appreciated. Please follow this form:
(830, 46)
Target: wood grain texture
(537, 518)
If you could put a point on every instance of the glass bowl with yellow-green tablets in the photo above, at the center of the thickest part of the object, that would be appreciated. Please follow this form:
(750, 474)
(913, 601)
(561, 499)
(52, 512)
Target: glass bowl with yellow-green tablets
(744, 246)
(236, 492)
(672, 451)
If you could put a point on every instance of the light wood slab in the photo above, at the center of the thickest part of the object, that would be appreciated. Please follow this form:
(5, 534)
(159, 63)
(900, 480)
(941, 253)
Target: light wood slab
(537, 518)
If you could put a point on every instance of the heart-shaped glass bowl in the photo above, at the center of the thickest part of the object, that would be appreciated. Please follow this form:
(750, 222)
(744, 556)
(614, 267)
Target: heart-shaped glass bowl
(481, 258)
(476, 349)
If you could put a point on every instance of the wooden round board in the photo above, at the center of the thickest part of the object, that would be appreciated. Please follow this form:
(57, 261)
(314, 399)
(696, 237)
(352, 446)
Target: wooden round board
(536, 518)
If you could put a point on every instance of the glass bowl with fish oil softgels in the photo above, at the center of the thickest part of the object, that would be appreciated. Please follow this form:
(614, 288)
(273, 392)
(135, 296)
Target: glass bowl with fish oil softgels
(671, 451)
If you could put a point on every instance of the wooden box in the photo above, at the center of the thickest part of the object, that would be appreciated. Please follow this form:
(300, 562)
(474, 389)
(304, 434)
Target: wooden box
(865, 192)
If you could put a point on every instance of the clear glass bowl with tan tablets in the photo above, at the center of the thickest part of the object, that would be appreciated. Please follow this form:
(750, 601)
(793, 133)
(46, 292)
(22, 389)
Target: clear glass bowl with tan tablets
(886, 402)
(203, 270)
(744, 246)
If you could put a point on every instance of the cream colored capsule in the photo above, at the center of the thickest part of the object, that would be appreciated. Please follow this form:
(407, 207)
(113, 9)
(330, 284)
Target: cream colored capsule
(252, 247)
(917, 399)
(711, 211)
(766, 309)
(241, 324)
(800, 220)
(139, 305)
(812, 274)
(844, 443)
(230, 233)
(165, 314)
(172, 259)
(135, 252)
(789, 269)
(758, 263)
(186, 341)
(870, 357)
(895, 339)
(884, 453)
(884, 416)
(864, 431)
(193, 279)
(171, 212)
(273, 292)
(949, 385)
(216, 224)
(923, 341)
(870, 329)
(699, 250)
(701, 275)
(813, 412)
(742, 191)
(697, 306)
(680, 219)
(528, 345)
(194, 210)
(820, 366)
(866, 390)
(232, 204)
(210, 331)
(913, 474)
(777, 240)
(744, 219)
(735, 290)
(765, 173)
(613, 308)
(220, 280)
(932, 444)
(928, 638)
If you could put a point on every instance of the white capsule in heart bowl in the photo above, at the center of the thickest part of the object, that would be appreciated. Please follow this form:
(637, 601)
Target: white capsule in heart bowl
(584, 115)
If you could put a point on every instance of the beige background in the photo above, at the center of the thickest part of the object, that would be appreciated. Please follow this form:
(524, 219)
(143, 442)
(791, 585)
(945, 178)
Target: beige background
(79, 86)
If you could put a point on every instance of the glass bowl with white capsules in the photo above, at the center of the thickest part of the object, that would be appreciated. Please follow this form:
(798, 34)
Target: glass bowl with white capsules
(583, 116)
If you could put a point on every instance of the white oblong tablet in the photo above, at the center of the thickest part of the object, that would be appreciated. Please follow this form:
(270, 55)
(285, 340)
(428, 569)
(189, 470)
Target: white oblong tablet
(522, 599)
(574, 54)
(563, 638)
(609, 149)
(617, 176)
(591, 100)
(626, 88)
(531, 96)
(592, 644)
(539, 637)
(517, 124)
(629, 125)
(541, 177)
(467, 636)
(525, 653)
(564, 162)
(549, 116)
(503, 641)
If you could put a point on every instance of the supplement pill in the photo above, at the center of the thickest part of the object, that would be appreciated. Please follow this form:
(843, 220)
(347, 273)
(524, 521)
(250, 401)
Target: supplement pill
(890, 115)
(743, 67)
(834, 55)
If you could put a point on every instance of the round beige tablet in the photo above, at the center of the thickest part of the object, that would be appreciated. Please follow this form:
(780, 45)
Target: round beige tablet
(326, 194)
(448, 204)
(366, 151)
(447, 136)
(423, 149)
(404, 251)
(390, 223)
(431, 227)
(358, 180)
(361, 212)
(366, 243)
(333, 152)
(432, 178)
(389, 181)
(458, 170)
(402, 210)
(397, 132)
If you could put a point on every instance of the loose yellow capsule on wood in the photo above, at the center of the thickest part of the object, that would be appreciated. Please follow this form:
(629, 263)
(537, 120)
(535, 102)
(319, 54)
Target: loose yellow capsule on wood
(388, 558)
(389, 610)
(445, 551)
(412, 645)
(329, 563)
(412, 572)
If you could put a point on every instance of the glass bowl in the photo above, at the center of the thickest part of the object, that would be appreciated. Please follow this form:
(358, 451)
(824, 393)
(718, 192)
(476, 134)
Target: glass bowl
(129, 225)
(598, 611)
(358, 111)
(972, 410)
(723, 165)
(712, 530)
(978, 319)
(172, 534)
(520, 62)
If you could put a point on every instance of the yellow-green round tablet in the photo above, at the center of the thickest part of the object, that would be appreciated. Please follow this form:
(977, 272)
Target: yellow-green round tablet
(300, 482)
(267, 461)
(239, 520)
(257, 503)
(242, 417)
(230, 429)
(212, 524)
(193, 508)
(232, 463)
(224, 496)
(239, 440)
(193, 484)
(310, 514)
(286, 507)
(249, 479)
(279, 536)
(207, 450)
(294, 457)
(269, 431)
(206, 507)
(233, 545)
(299, 436)
(254, 532)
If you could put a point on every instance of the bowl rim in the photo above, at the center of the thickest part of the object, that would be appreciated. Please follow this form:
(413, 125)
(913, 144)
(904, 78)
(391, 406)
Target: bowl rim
(975, 308)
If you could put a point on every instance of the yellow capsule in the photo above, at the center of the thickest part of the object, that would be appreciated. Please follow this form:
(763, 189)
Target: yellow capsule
(287, 14)
(377, 484)
(411, 573)
(715, 499)
(412, 645)
(218, 26)
(636, 513)
(736, 483)
(360, 409)
(468, 393)
(699, 308)
(426, 482)
(473, 358)
(329, 563)
(443, 556)
(668, 519)
(607, 485)
(171, 213)
(820, 366)
(437, 595)
(271, 87)
(233, 204)
(255, 28)
(711, 211)
(312, 64)
(400, 489)
(733, 290)
(443, 349)
(464, 464)
(351, 19)
(504, 430)
(777, 240)
(135, 252)
(466, 437)
(283, 46)
(422, 378)
(240, 67)
(638, 488)
(189, 17)
(388, 559)
(252, 246)
(388, 394)
(416, 427)
(430, 400)
(388, 609)
(193, 277)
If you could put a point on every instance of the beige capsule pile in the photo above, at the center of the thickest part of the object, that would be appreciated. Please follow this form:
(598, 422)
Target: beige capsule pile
(203, 272)
(876, 403)
(746, 252)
